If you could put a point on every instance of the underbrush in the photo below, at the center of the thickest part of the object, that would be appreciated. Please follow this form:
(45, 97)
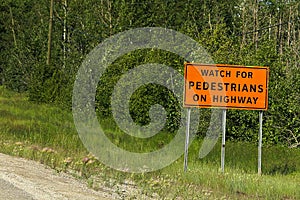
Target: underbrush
(47, 134)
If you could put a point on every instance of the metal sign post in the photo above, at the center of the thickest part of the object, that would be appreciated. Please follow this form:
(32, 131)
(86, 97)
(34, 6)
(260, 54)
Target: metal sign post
(260, 141)
(187, 138)
(223, 139)
(225, 87)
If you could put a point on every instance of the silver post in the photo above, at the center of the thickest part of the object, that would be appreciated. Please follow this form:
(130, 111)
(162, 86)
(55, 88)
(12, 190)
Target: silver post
(260, 141)
(223, 139)
(187, 138)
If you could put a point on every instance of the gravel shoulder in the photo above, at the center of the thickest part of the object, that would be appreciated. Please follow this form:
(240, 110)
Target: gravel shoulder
(25, 179)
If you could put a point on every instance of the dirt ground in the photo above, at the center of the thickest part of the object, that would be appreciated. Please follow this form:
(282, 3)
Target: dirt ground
(25, 179)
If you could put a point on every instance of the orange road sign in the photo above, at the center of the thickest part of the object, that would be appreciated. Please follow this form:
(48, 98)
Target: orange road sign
(226, 86)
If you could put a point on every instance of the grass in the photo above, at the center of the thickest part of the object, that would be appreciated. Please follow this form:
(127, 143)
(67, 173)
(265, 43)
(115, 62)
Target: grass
(46, 133)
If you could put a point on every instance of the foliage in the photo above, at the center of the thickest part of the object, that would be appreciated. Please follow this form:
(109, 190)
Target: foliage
(46, 133)
(264, 33)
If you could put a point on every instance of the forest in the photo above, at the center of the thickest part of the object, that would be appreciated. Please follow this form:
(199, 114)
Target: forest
(43, 44)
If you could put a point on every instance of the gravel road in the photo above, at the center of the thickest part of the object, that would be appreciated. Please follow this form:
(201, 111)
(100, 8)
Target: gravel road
(25, 179)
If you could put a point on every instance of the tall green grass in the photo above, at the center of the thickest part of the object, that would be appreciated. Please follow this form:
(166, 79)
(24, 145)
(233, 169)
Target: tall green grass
(46, 133)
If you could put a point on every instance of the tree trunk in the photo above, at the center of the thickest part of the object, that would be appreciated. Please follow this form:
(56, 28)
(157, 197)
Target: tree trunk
(65, 32)
(270, 24)
(50, 33)
(13, 27)
(289, 28)
(243, 27)
(255, 27)
(109, 6)
(209, 22)
(280, 36)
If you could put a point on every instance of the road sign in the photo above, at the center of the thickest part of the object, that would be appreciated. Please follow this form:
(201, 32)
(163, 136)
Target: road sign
(226, 86)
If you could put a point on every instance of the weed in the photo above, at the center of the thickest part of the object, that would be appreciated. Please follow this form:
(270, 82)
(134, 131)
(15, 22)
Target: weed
(47, 134)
